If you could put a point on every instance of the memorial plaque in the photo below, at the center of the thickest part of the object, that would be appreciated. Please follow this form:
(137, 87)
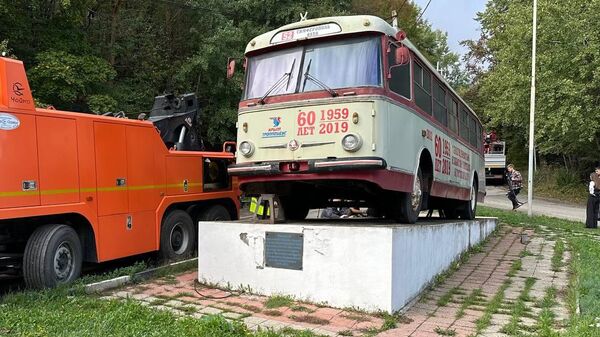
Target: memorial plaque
(284, 250)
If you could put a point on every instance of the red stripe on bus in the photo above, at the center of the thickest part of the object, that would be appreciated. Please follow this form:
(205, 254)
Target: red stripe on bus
(389, 180)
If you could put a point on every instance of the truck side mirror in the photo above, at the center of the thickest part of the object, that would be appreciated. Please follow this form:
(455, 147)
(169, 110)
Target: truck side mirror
(229, 147)
(230, 67)
(402, 55)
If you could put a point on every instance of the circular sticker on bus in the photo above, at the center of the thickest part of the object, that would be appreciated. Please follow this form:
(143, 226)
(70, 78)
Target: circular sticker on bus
(8, 122)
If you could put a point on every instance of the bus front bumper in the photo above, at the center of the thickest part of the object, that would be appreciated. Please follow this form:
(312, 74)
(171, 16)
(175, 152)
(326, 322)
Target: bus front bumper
(307, 166)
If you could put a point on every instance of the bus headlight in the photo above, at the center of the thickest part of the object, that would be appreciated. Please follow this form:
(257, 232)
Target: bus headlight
(246, 148)
(351, 142)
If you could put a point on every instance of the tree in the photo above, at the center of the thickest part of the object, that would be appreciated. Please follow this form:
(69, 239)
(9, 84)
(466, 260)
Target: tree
(568, 77)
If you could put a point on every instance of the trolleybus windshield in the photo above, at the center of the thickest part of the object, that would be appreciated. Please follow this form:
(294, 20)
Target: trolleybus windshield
(354, 62)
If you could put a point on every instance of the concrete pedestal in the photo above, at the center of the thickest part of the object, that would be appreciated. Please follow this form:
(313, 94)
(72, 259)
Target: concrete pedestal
(364, 264)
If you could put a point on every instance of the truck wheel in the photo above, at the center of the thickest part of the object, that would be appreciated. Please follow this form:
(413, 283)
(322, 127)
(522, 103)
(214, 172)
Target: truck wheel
(53, 256)
(215, 213)
(470, 207)
(177, 236)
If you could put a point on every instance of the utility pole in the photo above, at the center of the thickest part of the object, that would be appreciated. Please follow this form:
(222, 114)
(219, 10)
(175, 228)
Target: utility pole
(532, 116)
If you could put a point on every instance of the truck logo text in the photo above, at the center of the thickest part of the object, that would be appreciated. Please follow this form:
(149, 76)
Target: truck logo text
(18, 88)
(8, 122)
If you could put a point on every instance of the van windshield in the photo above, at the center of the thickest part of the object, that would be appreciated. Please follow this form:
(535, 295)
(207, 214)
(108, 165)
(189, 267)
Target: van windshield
(349, 63)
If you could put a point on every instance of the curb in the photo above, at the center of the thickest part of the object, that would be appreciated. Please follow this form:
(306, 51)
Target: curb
(120, 281)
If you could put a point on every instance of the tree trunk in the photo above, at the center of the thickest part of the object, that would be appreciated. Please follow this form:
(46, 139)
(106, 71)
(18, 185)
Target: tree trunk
(113, 30)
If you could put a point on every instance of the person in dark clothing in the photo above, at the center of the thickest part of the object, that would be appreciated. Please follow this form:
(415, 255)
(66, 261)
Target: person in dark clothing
(515, 183)
(591, 220)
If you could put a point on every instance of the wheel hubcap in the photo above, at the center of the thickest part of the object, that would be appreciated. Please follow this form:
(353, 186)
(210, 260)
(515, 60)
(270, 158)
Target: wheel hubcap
(179, 239)
(63, 262)
(473, 197)
(416, 194)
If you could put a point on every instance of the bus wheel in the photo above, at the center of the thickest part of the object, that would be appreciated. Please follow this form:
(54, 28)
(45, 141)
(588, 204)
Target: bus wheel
(177, 236)
(410, 203)
(470, 207)
(294, 209)
(215, 213)
(53, 256)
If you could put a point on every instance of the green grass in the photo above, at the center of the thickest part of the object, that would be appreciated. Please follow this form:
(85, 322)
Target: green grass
(60, 313)
(518, 310)
(493, 306)
(278, 301)
(584, 282)
(545, 322)
(469, 300)
(124, 271)
(447, 297)
(559, 249)
(587, 252)
(445, 332)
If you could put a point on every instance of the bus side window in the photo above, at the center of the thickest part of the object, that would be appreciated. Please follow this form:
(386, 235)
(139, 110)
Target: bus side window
(479, 137)
(422, 80)
(439, 103)
(464, 124)
(472, 131)
(452, 114)
(399, 81)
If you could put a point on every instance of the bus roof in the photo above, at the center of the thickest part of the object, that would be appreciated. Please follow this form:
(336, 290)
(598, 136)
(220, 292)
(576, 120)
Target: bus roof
(339, 25)
(334, 25)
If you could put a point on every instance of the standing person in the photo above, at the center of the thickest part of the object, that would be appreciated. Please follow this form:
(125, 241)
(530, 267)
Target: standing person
(591, 220)
(515, 183)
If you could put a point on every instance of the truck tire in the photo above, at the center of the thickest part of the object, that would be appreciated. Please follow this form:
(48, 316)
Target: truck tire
(215, 213)
(53, 256)
(177, 236)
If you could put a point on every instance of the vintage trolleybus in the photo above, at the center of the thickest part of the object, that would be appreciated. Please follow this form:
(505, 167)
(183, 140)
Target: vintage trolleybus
(346, 108)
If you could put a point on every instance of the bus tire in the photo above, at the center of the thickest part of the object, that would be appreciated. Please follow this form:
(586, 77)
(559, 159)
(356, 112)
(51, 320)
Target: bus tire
(470, 207)
(410, 203)
(177, 236)
(53, 256)
(215, 213)
(294, 209)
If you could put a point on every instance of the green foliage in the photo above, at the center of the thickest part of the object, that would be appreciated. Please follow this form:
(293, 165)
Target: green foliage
(567, 83)
(68, 79)
(101, 56)
(100, 104)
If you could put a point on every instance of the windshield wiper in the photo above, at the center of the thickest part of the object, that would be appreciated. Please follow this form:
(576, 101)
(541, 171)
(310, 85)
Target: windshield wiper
(276, 85)
(308, 76)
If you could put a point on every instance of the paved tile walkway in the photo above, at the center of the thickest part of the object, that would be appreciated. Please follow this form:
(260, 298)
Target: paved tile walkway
(505, 288)
(496, 293)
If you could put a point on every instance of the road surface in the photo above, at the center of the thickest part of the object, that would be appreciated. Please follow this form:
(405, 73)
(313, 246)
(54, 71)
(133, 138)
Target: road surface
(496, 198)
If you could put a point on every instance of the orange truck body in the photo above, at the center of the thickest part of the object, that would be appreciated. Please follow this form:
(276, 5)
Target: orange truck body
(113, 178)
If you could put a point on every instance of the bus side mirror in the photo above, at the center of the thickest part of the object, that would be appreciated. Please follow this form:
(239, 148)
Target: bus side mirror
(402, 55)
(230, 67)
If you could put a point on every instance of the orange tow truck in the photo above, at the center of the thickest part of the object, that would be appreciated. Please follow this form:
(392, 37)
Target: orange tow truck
(80, 188)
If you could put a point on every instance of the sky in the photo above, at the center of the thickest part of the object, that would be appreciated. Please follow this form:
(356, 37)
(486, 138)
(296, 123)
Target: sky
(455, 17)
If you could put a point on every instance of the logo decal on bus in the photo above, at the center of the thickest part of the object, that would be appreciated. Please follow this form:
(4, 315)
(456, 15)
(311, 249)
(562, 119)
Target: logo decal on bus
(275, 131)
(8, 122)
(276, 121)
